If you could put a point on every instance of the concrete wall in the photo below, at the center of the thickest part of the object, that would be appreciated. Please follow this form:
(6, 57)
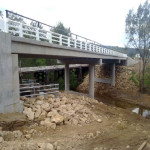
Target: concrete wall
(9, 80)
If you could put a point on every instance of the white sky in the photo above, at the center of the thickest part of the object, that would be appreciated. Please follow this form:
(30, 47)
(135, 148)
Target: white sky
(99, 20)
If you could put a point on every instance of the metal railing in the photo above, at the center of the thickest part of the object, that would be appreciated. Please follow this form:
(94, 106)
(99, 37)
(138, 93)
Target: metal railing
(35, 89)
(20, 29)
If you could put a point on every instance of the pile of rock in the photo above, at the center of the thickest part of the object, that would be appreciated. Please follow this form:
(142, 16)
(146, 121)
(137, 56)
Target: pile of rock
(65, 109)
(123, 82)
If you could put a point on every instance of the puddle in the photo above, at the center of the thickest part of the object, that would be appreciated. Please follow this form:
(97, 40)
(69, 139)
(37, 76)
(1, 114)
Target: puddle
(143, 111)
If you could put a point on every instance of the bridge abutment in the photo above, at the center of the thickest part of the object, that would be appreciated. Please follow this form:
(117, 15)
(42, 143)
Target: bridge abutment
(9, 78)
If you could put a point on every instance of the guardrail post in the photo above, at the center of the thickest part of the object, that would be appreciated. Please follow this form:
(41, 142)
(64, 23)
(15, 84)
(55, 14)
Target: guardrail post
(90, 47)
(68, 41)
(50, 37)
(37, 34)
(20, 30)
(80, 44)
(85, 45)
(75, 43)
(60, 39)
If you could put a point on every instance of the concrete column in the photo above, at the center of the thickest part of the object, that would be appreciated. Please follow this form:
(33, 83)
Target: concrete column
(113, 75)
(66, 77)
(91, 80)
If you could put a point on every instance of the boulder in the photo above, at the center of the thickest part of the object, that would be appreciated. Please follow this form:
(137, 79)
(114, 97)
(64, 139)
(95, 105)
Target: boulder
(39, 102)
(38, 112)
(56, 118)
(29, 113)
(47, 122)
(43, 115)
(1, 139)
(41, 97)
(46, 106)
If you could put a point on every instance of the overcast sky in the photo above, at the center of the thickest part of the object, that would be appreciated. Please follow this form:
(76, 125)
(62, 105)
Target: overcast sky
(99, 20)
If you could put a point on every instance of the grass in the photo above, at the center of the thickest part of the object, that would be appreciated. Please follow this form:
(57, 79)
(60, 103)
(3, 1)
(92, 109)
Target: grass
(132, 78)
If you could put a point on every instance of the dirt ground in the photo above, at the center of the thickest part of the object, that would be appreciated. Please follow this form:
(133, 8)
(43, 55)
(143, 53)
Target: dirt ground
(119, 129)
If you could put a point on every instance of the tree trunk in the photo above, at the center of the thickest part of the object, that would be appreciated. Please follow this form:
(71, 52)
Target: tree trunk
(140, 89)
(143, 73)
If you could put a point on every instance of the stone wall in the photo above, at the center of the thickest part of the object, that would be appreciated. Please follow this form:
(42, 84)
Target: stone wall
(123, 82)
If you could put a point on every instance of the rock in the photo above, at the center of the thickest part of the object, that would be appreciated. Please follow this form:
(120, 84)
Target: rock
(41, 97)
(43, 115)
(28, 136)
(38, 112)
(39, 102)
(128, 147)
(1, 139)
(99, 120)
(98, 133)
(29, 113)
(74, 122)
(52, 113)
(1, 133)
(47, 122)
(1, 128)
(49, 146)
(17, 134)
(51, 96)
(90, 135)
(22, 98)
(58, 148)
(56, 118)
(46, 106)
(45, 146)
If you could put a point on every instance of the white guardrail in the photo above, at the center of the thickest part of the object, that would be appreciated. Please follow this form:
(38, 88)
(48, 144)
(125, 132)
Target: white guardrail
(28, 31)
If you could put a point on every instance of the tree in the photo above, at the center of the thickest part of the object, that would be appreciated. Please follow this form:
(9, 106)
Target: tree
(73, 80)
(59, 28)
(138, 35)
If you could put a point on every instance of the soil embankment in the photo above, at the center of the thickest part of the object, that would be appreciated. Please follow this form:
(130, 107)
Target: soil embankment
(96, 126)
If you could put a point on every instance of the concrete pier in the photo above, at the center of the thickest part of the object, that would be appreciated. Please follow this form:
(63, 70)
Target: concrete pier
(91, 80)
(66, 77)
(113, 75)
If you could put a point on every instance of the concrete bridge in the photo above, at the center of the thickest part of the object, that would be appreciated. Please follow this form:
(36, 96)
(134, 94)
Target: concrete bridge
(66, 49)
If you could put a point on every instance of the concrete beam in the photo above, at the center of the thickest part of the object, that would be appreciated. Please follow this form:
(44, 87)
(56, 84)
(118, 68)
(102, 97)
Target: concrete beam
(67, 77)
(91, 80)
(80, 60)
(109, 81)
